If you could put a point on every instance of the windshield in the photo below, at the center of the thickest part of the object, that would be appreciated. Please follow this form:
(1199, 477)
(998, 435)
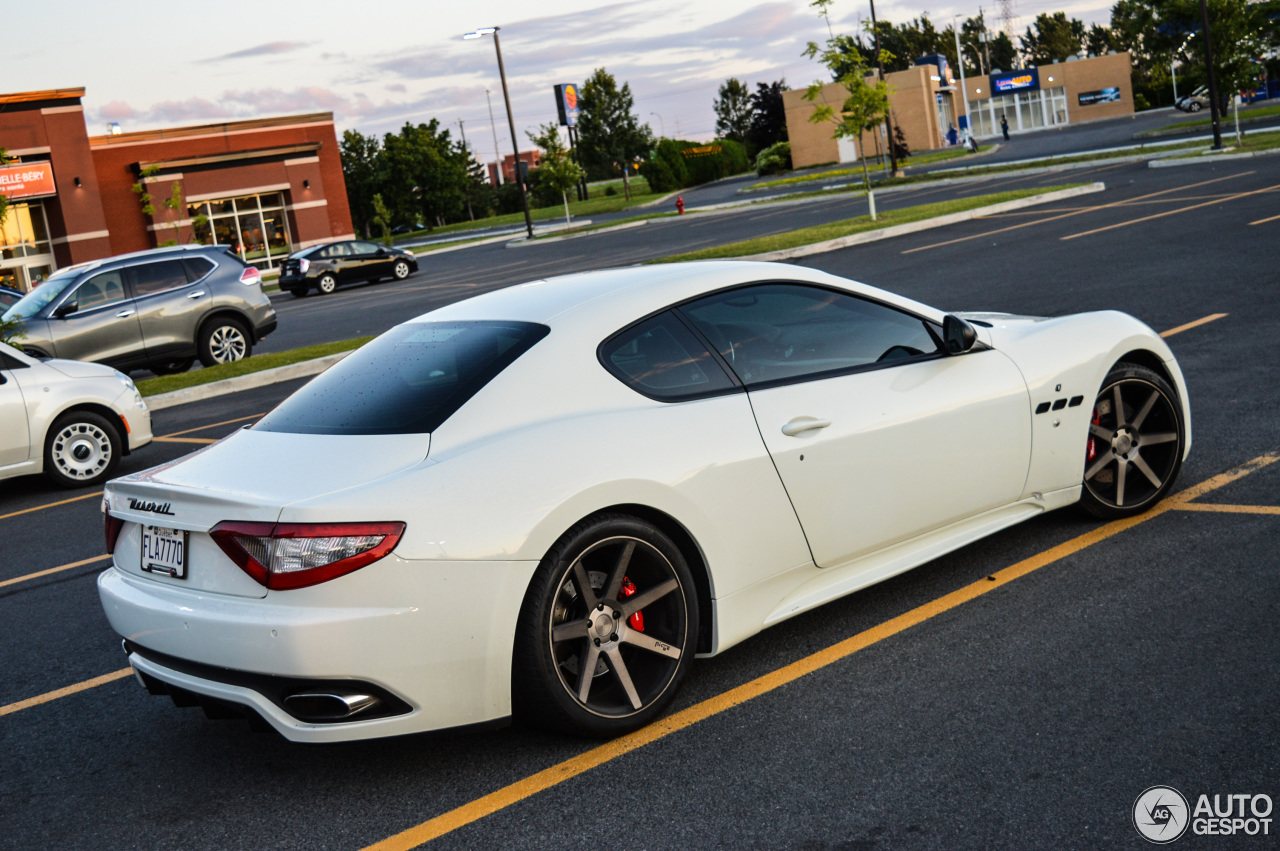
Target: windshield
(408, 381)
(39, 298)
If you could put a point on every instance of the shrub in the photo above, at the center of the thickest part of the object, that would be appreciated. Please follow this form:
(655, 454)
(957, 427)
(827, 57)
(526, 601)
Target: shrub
(774, 159)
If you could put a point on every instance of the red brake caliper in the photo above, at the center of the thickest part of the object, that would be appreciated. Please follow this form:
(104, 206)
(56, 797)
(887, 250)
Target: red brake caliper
(629, 590)
(1093, 445)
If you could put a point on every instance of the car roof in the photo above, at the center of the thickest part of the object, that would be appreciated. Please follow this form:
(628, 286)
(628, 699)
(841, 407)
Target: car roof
(614, 297)
(147, 254)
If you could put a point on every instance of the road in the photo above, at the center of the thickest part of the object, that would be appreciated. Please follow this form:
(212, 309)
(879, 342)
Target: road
(1102, 661)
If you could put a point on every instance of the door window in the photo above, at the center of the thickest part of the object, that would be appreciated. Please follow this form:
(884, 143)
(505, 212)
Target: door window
(339, 249)
(364, 248)
(157, 277)
(780, 333)
(100, 290)
(662, 359)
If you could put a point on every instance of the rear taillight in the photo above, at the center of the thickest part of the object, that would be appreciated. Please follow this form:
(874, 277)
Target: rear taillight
(112, 527)
(250, 276)
(296, 555)
(303, 265)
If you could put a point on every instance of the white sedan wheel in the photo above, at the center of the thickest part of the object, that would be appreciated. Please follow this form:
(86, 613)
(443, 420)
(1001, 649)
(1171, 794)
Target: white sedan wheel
(82, 450)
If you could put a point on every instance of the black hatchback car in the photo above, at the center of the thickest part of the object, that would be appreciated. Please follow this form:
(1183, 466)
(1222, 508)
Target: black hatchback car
(323, 267)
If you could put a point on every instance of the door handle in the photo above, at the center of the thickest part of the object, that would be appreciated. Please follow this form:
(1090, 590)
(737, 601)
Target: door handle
(196, 294)
(802, 424)
(124, 314)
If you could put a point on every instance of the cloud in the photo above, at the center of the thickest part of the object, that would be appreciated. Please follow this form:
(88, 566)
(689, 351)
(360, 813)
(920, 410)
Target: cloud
(397, 87)
(117, 110)
(271, 48)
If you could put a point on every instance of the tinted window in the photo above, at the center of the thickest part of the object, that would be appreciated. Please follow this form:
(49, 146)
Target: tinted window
(778, 332)
(104, 289)
(408, 381)
(197, 267)
(340, 249)
(663, 360)
(364, 248)
(157, 277)
(42, 296)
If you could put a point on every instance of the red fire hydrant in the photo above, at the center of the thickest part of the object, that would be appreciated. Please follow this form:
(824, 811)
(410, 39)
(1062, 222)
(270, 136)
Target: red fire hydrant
(680, 204)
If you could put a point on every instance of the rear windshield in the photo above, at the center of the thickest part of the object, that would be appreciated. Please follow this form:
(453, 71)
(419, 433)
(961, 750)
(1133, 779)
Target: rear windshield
(408, 381)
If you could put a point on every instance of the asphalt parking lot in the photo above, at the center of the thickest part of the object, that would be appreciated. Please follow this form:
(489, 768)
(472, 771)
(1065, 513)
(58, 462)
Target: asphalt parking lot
(939, 709)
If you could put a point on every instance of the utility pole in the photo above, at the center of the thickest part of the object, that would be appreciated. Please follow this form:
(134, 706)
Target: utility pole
(1213, 86)
(888, 121)
(497, 156)
(467, 194)
(964, 94)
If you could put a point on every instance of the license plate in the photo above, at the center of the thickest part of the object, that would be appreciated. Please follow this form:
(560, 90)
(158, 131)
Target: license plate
(164, 551)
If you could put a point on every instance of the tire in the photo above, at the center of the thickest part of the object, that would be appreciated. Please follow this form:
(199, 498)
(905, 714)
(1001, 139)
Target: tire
(82, 449)
(1193, 106)
(638, 656)
(401, 270)
(224, 340)
(171, 367)
(326, 284)
(1135, 446)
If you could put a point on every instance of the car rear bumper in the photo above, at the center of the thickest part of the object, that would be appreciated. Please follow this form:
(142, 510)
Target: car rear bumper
(436, 635)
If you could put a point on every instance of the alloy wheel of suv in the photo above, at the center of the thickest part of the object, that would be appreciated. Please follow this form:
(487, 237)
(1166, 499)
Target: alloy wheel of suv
(224, 340)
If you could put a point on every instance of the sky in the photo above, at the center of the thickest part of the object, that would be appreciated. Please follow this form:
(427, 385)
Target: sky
(147, 64)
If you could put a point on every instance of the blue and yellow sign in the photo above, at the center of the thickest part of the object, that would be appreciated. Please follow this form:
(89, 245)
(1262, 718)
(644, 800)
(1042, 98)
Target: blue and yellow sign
(1027, 80)
(567, 104)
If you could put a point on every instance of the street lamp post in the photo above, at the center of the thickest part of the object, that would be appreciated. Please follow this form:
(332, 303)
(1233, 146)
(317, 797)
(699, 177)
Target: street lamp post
(888, 120)
(661, 124)
(1213, 86)
(511, 122)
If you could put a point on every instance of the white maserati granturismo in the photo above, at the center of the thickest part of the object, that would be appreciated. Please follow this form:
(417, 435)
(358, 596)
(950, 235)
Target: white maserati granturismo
(546, 500)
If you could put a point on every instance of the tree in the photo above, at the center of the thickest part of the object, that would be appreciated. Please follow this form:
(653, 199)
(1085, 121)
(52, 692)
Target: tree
(609, 134)
(558, 170)
(1055, 38)
(174, 206)
(1237, 30)
(382, 218)
(362, 167)
(425, 174)
(733, 110)
(768, 116)
(865, 105)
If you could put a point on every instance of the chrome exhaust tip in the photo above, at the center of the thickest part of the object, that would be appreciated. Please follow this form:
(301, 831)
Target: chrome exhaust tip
(316, 707)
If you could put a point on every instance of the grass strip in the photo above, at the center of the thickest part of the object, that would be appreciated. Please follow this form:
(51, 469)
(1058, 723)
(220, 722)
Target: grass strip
(1252, 143)
(1249, 115)
(859, 224)
(856, 171)
(257, 363)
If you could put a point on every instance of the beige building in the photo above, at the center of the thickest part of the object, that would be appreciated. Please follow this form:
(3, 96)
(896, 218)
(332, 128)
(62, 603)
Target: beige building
(927, 105)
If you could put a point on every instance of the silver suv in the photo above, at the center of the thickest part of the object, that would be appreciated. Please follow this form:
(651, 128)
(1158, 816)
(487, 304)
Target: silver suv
(157, 309)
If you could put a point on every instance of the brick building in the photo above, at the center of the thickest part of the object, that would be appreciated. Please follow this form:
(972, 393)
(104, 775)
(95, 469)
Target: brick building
(264, 186)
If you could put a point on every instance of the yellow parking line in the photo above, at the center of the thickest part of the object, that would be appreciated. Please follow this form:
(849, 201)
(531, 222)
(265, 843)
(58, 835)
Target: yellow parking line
(210, 425)
(186, 440)
(59, 569)
(1075, 213)
(1264, 221)
(1170, 212)
(1204, 321)
(63, 692)
(570, 768)
(1230, 509)
(50, 505)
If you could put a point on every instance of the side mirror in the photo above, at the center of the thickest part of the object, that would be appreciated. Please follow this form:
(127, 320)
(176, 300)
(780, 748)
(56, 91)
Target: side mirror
(65, 309)
(958, 335)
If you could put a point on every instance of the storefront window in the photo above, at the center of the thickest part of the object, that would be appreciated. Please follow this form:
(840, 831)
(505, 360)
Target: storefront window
(25, 232)
(1023, 110)
(254, 225)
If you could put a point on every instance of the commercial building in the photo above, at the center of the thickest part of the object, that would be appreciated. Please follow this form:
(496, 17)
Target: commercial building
(265, 186)
(925, 102)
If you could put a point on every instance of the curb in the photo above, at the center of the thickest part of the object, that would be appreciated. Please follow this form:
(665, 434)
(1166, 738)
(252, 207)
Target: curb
(1209, 158)
(524, 243)
(302, 369)
(924, 224)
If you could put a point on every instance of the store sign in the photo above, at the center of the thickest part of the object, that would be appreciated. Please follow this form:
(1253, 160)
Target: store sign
(1015, 81)
(567, 104)
(27, 180)
(1100, 96)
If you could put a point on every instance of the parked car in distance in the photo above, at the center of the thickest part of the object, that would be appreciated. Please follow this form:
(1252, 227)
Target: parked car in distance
(323, 267)
(1194, 102)
(71, 421)
(8, 298)
(158, 309)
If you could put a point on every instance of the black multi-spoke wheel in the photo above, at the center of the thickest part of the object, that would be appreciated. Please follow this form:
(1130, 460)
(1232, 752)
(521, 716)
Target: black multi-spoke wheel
(1135, 445)
(608, 629)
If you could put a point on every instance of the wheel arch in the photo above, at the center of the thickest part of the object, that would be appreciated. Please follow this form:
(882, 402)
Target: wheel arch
(693, 555)
(232, 313)
(1149, 359)
(103, 411)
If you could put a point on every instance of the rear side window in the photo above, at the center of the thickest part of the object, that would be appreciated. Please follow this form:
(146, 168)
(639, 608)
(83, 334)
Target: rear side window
(662, 359)
(157, 277)
(408, 381)
(197, 267)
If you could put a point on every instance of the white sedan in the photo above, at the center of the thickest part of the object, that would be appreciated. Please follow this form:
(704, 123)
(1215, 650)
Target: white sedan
(546, 500)
(73, 421)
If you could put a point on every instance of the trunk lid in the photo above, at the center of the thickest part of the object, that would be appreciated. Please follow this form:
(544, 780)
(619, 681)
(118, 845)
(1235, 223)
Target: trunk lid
(250, 476)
